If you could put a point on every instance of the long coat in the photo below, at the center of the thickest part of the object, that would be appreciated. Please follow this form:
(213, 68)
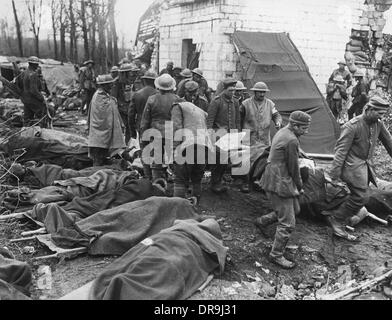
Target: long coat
(105, 122)
(354, 151)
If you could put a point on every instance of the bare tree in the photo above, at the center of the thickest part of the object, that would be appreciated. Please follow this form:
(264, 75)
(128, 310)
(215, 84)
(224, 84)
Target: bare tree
(83, 18)
(63, 23)
(54, 8)
(113, 32)
(18, 29)
(34, 8)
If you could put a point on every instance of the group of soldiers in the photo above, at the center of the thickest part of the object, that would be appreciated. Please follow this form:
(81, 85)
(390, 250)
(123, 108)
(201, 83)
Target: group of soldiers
(132, 102)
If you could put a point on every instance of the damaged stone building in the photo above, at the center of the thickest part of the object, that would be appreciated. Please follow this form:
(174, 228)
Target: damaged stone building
(199, 33)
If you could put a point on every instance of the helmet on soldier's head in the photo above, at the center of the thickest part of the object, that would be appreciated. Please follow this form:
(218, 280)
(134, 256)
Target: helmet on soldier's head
(104, 79)
(191, 86)
(260, 86)
(165, 82)
(114, 69)
(240, 86)
(198, 72)
(33, 60)
(150, 75)
(126, 67)
(186, 73)
(359, 73)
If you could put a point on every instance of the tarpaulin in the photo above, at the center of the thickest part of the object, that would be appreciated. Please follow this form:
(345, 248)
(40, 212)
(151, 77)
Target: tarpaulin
(114, 231)
(274, 59)
(170, 265)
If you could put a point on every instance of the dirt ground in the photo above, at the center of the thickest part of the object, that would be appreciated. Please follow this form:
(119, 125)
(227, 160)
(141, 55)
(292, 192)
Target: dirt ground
(322, 259)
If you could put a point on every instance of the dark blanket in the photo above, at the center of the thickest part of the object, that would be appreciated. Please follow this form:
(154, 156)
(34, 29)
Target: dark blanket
(114, 231)
(44, 151)
(15, 277)
(170, 265)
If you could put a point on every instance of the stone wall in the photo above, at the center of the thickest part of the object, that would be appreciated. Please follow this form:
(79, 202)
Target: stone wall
(319, 29)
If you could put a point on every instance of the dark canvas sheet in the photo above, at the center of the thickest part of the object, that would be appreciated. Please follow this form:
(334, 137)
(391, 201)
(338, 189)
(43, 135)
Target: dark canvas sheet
(114, 231)
(170, 265)
(274, 59)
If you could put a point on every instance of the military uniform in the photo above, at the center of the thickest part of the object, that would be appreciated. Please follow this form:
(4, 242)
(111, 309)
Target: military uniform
(353, 160)
(32, 98)
(105, 127)
(181, 87)
(87, 84)
(346, 75)
(336, 93)
(223, 113)
(186, 115)
(156, 113)
(256, 117)
(202, 103)
(360, 98)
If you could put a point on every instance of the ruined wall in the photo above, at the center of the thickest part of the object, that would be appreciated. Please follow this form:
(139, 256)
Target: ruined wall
(319, 29)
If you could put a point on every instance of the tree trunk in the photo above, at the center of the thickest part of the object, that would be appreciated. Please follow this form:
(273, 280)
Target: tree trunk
(18, 30)
(72, 32)
(63, 53)
(84, 30)
(110, 47)
(113, 31)
(94, 14)
(36, 45)
(54, 29)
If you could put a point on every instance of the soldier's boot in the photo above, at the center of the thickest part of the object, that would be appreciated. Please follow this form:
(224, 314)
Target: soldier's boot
(276, 255)
(216, 180)
(337, 228)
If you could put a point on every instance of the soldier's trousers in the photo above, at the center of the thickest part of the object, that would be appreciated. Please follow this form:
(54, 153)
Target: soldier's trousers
(31, 110)
(286, 210)
(357, 199)
(86, 99)
(124, 118)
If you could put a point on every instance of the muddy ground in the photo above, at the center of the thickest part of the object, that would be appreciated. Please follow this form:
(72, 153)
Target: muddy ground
(322, 259)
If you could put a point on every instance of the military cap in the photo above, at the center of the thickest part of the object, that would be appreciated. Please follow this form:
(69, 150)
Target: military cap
(342, 62)
(377, 102)
(170, 63)
(191, 86)
(300, 117)
(229, 82)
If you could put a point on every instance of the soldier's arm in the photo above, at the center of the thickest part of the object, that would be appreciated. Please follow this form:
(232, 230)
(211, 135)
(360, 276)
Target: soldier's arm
(386, 139)
(212, 111)
(292, 156)
(242, 116)
(146, 117)
(342, 148)
(349, 79)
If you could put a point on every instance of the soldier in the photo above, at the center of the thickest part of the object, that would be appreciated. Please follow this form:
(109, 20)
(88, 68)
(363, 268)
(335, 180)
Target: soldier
(177, 75)
(283, 184)
(114, 72)
(346, 75)
(121, 90)
(202, 82)
(186, 75)
(240, 92)
(353, 157)
(190, 155)
(192, 95)
(87, 84)
(156, 113)
(257, 113)
(105, 127)
(336, 95)
(223, 113)
(32, 98)
(359, 94)
(169, 69)
(138, 103)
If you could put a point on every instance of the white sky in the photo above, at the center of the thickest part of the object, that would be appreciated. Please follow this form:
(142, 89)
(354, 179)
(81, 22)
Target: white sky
(127, 14)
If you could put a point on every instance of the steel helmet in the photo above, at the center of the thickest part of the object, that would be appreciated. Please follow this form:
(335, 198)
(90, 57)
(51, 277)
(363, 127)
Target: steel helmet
(342, 62)
(198, 71)
(126, 67)
(186, 73)
(240, 86)
(33, 60)
(260, 86)
(87, 62)
(165, 82)
(150, 75)
(114, 69)
(105, 78)
(338, 78)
